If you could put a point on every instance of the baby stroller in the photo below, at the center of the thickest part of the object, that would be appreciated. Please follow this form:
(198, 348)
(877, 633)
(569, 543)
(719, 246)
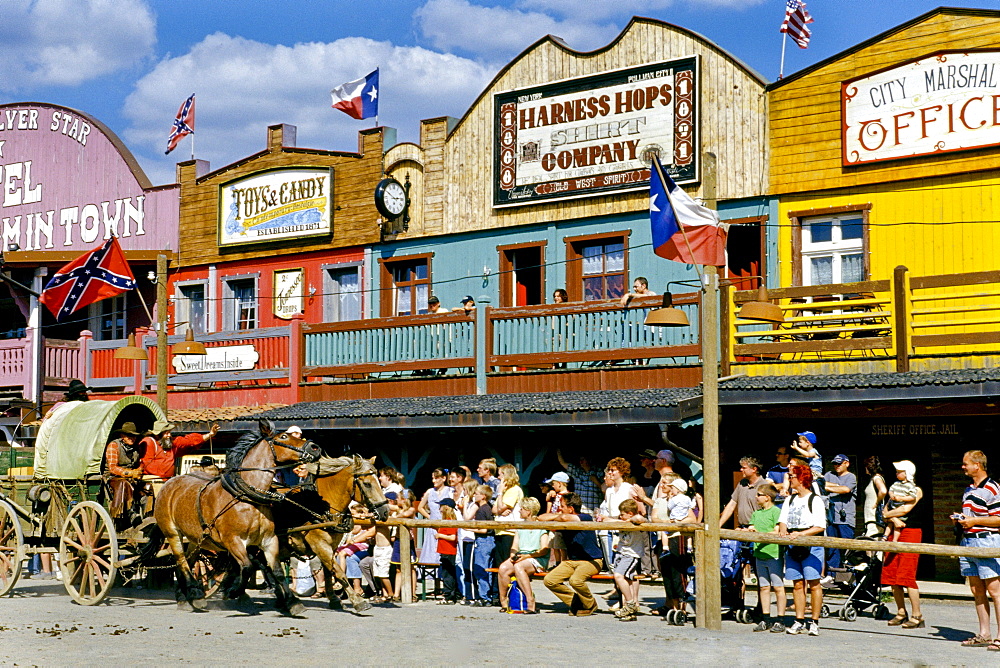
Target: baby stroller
(861, 581)
(731, 563)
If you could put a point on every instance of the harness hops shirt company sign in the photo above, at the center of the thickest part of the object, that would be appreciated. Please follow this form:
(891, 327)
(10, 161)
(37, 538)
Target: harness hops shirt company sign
(285, 203)
(596, 134)
(949, 101)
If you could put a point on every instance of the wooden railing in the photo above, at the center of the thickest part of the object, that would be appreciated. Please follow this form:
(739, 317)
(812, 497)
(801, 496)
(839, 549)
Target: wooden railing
(63, 359)
(898, 319)
(524, 336)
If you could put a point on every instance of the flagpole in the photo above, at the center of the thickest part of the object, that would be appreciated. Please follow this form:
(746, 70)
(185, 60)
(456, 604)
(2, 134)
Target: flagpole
(687, 243)
(781, 69)
(192, 146)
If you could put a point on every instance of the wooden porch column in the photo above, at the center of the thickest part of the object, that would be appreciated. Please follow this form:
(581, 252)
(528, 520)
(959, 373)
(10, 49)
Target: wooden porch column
(901, 306)
(296, 353)
(709, 588)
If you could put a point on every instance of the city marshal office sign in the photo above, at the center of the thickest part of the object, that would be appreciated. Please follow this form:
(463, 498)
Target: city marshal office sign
(949, 101)
(596, 135)
(277, 204)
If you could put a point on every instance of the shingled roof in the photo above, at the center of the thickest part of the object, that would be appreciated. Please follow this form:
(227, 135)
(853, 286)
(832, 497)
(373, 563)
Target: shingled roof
(540, 408)
(905, 386)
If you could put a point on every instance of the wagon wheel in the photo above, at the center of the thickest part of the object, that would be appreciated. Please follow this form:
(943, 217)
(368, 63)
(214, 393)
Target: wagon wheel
(209, 569)
(11, 547)
(88, 551)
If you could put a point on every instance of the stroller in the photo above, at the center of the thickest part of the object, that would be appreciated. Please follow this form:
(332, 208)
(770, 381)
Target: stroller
(860, 581)
(731, 562)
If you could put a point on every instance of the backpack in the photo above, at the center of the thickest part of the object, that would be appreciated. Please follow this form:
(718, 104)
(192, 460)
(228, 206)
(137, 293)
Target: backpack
(516, 601)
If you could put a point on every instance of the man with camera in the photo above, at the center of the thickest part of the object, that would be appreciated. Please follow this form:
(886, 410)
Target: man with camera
(842, 486)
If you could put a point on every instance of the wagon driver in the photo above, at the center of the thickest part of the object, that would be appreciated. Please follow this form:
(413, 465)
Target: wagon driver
(162, 449)
(123, 463)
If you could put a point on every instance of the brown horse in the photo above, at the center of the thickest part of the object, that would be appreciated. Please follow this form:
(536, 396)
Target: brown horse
(231, 513)
(338, 482)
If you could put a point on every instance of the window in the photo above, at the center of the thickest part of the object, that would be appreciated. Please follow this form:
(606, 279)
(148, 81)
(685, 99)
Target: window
(191, 307)
(109, 315)
(522, 274)
(342, 293)
(831, 247)
(240, 307)
(406, 285)
(597, 267)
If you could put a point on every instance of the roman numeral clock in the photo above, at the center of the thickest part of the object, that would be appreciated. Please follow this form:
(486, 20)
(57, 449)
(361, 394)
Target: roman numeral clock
(392, 199)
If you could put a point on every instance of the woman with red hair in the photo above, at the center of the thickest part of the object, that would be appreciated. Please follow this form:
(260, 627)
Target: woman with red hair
(803, 514)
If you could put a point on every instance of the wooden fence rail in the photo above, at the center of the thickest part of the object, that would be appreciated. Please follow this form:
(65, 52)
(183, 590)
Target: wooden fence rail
(701, 604)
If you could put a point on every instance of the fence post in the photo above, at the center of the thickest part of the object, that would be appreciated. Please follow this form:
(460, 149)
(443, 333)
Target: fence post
(902, 331)
(405, 566)
(82, 365)
(700, 598)
(481, 339)
(296, 350)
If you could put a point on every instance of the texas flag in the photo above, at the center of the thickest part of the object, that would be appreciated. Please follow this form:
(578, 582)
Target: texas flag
(683, 230)
(358, 99)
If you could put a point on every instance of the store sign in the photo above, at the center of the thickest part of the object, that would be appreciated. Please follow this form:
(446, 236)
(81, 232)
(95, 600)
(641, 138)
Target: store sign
(915, 430)
(946, 102)
(288, 293)
(596, 135)
(67, 183)
(222, 358)
(286, 203)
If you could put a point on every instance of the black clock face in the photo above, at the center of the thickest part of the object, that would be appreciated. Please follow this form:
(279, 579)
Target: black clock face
(390, 198)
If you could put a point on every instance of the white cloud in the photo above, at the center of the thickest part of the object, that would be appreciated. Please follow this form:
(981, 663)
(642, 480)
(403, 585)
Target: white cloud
(68, 42)
(497, 33)
(243, 86)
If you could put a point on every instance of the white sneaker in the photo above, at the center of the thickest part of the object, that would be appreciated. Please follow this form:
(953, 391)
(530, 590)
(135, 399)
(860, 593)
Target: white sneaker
(796, 628)
(827, 580)
(813, 628)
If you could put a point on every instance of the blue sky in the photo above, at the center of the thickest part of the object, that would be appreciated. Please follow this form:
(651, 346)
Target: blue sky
(130, 63)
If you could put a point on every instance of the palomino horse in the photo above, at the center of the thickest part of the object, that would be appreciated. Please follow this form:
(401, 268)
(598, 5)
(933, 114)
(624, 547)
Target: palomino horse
(338, 482)
(230, 513)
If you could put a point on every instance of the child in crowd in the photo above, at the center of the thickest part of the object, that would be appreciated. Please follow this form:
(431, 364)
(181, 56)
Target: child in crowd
(466, 508)
(901, 492)
(628, 556)
(770, 568)
(382, 552)
(805, 445)
(675, 506)
(406, 510)
(447, 549)
(483, 551)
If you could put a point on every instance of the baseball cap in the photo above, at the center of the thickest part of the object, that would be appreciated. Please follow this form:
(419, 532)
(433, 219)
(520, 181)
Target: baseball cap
(561, 477)
(648, 453)
(447, 502)
(811, 437)
(668, 455)
(294, 430)
(840, 459)
(392, 496)
(680, 486)
(467, 298)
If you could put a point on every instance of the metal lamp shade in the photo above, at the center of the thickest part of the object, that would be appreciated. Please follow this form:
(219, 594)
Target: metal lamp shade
(131, 351)
(189, 346)
(667, 317)
(761, 310)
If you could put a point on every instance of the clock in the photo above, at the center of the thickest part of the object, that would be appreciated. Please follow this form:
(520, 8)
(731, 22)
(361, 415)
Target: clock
(390, 198)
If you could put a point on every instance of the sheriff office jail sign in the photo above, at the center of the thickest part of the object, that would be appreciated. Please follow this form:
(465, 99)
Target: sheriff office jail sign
(948, 101)
(283, 203)
(594, 135)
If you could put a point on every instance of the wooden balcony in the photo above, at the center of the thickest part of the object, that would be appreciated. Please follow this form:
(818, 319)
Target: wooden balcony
(919, 323)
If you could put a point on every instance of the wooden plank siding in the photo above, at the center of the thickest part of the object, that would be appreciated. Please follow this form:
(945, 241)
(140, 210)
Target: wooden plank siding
(805, 112)
(457, 192)
(354, 216)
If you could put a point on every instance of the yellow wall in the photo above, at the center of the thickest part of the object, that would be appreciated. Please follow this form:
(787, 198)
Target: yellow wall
(956, 231)
(805, 113)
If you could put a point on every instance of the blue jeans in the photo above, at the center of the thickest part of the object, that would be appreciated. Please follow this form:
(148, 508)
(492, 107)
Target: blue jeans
(463, 569)
(834, 556)
(482, 558)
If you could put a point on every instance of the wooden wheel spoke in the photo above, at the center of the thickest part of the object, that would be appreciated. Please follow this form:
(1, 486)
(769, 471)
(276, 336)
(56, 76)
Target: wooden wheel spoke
(103, 548)
(96, 560)
(77, 531)
(97, 582)
(72, 543)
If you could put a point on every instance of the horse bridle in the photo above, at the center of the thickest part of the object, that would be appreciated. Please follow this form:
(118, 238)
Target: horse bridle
(371, 506)
(244, 491)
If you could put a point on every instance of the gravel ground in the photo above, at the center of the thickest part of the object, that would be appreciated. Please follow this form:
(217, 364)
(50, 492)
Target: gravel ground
(40, 625)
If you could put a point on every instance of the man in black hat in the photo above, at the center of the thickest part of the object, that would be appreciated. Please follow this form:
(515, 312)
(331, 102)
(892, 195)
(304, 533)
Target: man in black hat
(468, 305)
(76, 391)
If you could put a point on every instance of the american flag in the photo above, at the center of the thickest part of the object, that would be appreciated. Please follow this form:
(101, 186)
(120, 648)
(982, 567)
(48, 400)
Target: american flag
(796, 18)
(97, 275)
(183, 124)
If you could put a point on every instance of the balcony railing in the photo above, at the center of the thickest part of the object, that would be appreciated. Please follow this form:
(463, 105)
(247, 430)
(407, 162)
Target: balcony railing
(897, 321)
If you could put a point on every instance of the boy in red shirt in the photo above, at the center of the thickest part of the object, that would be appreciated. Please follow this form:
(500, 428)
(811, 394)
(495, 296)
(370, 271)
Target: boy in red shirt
(447, 548)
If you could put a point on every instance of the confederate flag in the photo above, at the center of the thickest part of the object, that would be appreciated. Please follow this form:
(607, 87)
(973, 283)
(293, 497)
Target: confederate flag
(97, 275)
(183, 124)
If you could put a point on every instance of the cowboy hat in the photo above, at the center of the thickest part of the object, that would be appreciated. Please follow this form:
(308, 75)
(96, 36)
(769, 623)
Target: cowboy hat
(161, 426)
(76, 386)
(127, 428)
